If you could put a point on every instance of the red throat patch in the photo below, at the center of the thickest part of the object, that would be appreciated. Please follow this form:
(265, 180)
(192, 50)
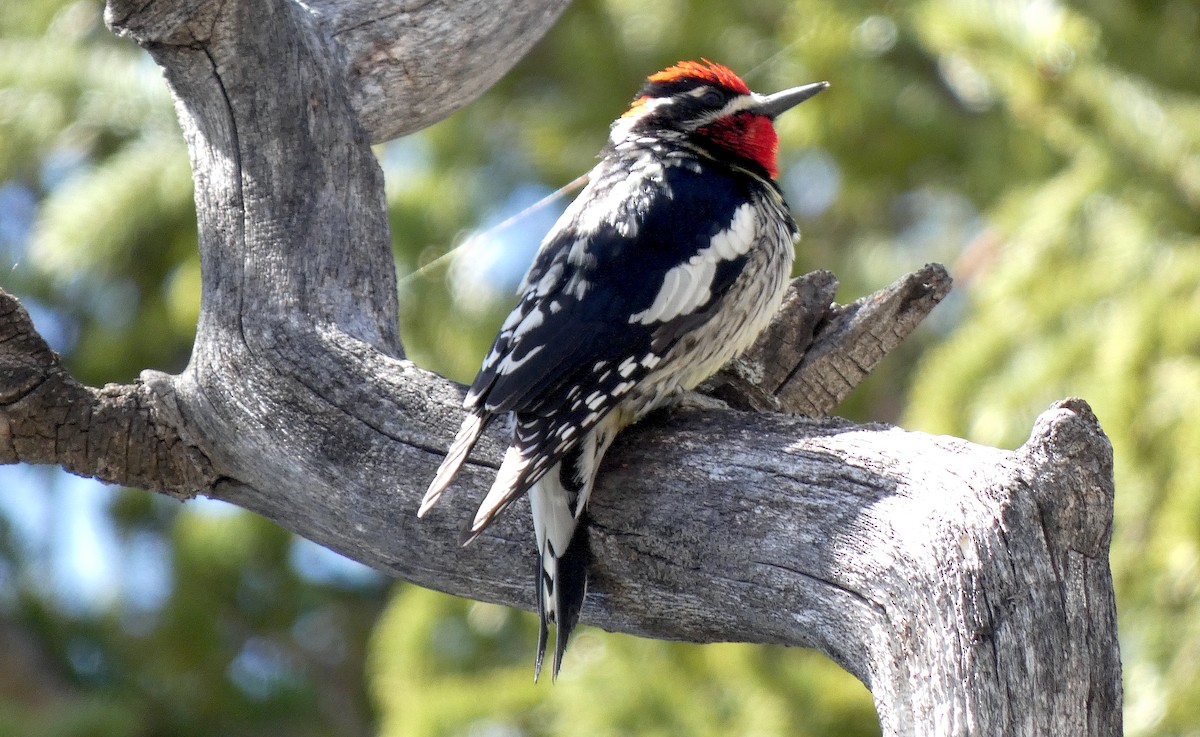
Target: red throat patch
(749, 136)
(709, 71)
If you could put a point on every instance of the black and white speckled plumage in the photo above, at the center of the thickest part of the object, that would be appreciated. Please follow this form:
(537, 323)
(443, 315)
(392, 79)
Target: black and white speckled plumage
(670, 262)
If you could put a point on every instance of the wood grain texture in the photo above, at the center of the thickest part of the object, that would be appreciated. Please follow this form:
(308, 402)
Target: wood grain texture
(815, 352)
(410, 64)
(967, 586)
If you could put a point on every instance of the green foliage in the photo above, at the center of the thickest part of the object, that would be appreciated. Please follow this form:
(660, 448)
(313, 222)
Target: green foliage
(86, 125)
(1090, 286)
(448, 666)
(1046, 151)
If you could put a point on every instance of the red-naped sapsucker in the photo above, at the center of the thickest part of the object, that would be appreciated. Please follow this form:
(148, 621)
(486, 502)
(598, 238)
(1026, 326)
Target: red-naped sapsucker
(670, 262)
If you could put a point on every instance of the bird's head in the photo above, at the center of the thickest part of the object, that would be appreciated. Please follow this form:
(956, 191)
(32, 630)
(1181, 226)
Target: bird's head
(711, 105)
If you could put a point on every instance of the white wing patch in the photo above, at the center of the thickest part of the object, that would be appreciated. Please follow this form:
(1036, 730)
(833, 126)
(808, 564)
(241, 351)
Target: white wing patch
(688, 286)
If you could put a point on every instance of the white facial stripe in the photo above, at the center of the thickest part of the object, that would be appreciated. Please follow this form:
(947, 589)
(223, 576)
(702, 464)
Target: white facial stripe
(624, 124)
(688, 286)
(734, 106)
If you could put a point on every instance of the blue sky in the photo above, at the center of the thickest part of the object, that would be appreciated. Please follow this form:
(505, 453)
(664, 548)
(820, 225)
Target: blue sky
(79, 562)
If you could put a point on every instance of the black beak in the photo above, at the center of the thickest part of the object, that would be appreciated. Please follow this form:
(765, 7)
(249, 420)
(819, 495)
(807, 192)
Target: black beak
(780, 102)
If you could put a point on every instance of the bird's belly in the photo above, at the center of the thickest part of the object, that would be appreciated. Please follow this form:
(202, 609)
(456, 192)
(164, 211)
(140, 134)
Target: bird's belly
(751, 303)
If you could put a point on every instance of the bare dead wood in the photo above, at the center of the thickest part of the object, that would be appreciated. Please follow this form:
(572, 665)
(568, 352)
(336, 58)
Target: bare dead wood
(816, 352)
(410, 64)
(112, 433)
(967, 586)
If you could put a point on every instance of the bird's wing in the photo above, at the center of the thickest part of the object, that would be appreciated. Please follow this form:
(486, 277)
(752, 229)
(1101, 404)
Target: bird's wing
(604, 289)
(605, 300)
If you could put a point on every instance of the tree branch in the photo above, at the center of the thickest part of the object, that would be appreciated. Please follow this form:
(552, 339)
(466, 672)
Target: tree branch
(816, 352)
(967, 586)
(410, 64)
(115, 433)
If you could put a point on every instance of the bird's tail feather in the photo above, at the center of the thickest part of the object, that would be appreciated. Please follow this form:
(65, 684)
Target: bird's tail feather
(509, 483)
(562, 585)
(562, 563)
(468, 435)
(524, 464)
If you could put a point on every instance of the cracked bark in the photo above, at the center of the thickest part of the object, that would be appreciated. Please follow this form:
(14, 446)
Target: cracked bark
(968, 587)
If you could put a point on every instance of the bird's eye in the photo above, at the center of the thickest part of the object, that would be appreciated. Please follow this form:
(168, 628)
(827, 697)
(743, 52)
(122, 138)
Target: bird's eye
(712, 98)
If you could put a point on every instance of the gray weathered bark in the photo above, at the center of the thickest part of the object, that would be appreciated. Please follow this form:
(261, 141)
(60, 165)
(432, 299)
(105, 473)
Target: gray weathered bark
(968, 587)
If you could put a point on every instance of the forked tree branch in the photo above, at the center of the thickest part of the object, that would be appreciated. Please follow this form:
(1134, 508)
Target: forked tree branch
(968, 587)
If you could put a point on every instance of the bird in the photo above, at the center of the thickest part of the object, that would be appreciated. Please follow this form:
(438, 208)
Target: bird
(670, 262)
